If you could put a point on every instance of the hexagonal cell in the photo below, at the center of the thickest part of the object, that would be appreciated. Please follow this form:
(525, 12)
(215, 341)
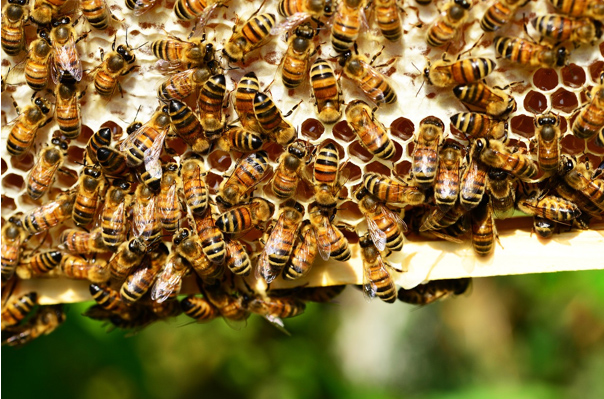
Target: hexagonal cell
(564, 100)
(535, 102)
(563, 125)
(75, 154)
(545, 79)
(402, 128)
(85, 135)
(523, 125)
(358, 151)
(312, 128)
(573, 76)
(273, 150)
(67, 177)
(13, 181)
(410, 148)
(378, 167)
(354, 172)
(220, 160)
(402, 168)
(342, 131)
(573, 145)
(213, 182)
(8, 204)
(351, 236)
(595, 69)
(399, 152)
(350, 211)
(4, 167)
(177, 145)
(593, 148)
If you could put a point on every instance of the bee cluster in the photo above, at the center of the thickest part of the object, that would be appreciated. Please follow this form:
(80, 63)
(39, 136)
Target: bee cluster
(140, 215)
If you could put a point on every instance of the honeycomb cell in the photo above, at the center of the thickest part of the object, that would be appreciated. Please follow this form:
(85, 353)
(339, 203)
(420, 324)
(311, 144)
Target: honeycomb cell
(545, 79)
(573, 145)
(402, 128)
(402, 168)
(378, 167)
(4, 167)
(75, 154)
(67, 177)
(24, 162)
(350, 211)
(273, 150)
(351, 236)
(517, 145)
(563, 125)
(523, 125)
(359, 152)
(410, 148)
(535, 102)
(564, 100)
(354, 172)
(593, 148)
(399, 152)
(213, 182)
(595, 70)
(13, 181)
(8, 204)
(313, 129)
(116, 130)
(573, 76)
(85, 135)
(220, 160)
(342, 131)
(177, 145)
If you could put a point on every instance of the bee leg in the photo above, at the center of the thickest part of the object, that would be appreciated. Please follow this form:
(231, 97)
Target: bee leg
(82, 36)
(292, 110)
(82, 93)
(102, 54)
(15, 105)
(376, 55)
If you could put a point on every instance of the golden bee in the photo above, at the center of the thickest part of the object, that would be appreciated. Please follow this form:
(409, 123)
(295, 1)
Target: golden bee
(45, 11)
(139, 7)
(297, 58)
(274, 308)
(377, 281)
(525, 52)
(210, 104)
(392, 191)
(477, 125)
(192, 173)
(304, 253)
(331, 242)
(82, 242)
(114, 213)
(591, 118)
(187, 10)
(113, 163)
(39, 264)
(439, 219)
(447, 25)
(328, 177)
(494, 153)
(280, 242)
(169, 281)
(542, 227)
(242, 218)
(503, 195)
(326, 91)
(182, 84)
(14, 14)
(187, 126)
(580, 8)
(473, 181)
(248, 172)
(499, 14)
(190, 247)
(248, 36)
(42, 175)
(237, 260)
(90, 185)
(245, 93)
(240, 139)
(548, 136)
(549, 207)
(271, 121)
(24, 128)
(297, 11)
(446, 183)
(180, 53)
(483, 228)
(227, 304)
(425, 153)
(146, 222)
(559, 28)
(119, 62)
(492, 100)
(387, 16)
(108, 299)
(17, 308)
(13, 237)
(584, 203)
(211, 237)
(385, 227)
(43, 322)
(371, 132)
(579, 177)
(129, 254)
(444, 73)
(168, 201)
(96, 12)
(321, 294)
(37, 73)
(425, 294)
(66, 66)
(347, 24)
(67, 110)
(49, 215)
(79, 268)
(143, 276)
(199, 309)
(284, 182)
(100, 138)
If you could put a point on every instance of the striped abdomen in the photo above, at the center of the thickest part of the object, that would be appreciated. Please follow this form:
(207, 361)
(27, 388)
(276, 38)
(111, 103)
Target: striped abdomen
(113, 223)
(497, 15)
(199, 309)
(472, 186)
(388, 19)
(268, 115)
(346, 27)
(376, 87)
(471, 69)
(211, 239)
(237, 259)
(483, 237)
(590, 120)
(187, 10)
(138, 283)
(18, 308)
(257, 29)
(96, 12)
(44, 262)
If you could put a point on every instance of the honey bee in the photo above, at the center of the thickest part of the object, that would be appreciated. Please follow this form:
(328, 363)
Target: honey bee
(112, 162)
(49, 215)
(373, 83)
(36, 65)
(549, 207)
(82, 242)
(298, 11)
(321, 294)
(249, 36)
(240, 139)
(581, 8)
(446, 185)
(129, 254)
(326, 91)
(114, 215)
(445, 73)
(503, 195)
(67, 110)
(141, 279)
(581, 179)
(248, 172)
(79, 268)
(180, 53)
(439, 219)
(242, 218)
(14, 14)
(189, 246)
(499, 14)
(291, 163)
(245, 93)
(66, 66)
(140, 6)
(280, 242)
(296, 60)
(491, 100)
(559, 28)
(39, 264)
(548, 141)
(472, 185)
(385, 226)
(479, 125)
(525, 52)
(447, 25)
(377, 281)
(91, 183)
(591, 118)
(44, 11)
(43, 322)
(543, 227)
(168, 202)
(228, 305)
(388, 19)
(100, 138)
(187, 126)
(42, 175)
(182, 84)
(13, 237)
(209, 103)
(109, 299)
(187, 10)
(271, 121)
(24, 128)
(199, 309)
(211, 238)
(118, 63)
(331, 243)
(569, 193)
(169, 281)
(195, 190)
(146, 223)
(425, 294)
(347, 24)
(237, 259)
(371, 132)
(494, 153)
(483, 228)
(274, 308)
(328, 178)
(392, 191)
(425, 153)
(96, 12)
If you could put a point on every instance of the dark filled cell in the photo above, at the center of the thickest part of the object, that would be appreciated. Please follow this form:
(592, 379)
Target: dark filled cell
(67, 177)
(85, 135)
(573, 76)
(563, 125)
(353, 171)
(564, 100)
(342, 131)
(399, 152)
(410, 148)
(219, 160)
(8, 203)
(273, 150)
(513, 144)
(349, 210)
(24, 162)
(535, 102)
(4, 167)
(351, 236)
(213, 182)
(402, 128)
(360, 152)
(593, 148)
(378, 167)
(13, 181)
(523, 125)
(402, 168)
(545, 79)
(75, 154)
(177, 144)
(573, 145)
(595, 70)
(313, 129)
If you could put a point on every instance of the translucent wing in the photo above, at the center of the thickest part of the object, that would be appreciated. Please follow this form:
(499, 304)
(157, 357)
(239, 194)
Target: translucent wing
(129, 141)
(374, 75)
(203, 18)
(446, 237)
(343, 176)
(372, 272)
(152, 161)
(308, 247)
(267, 272)
(66, 59)
(377, 235)
(278, 323)
(181, 80)
(503, 214)
(168, 282)
(141, 6)
(263, 268)
(290, 22)
(170, 197)
(142, 216)
(395, 217)
(436, 215)
(324, 240)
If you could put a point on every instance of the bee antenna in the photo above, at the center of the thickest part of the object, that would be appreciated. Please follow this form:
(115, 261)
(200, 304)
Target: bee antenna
(418, 70)
(422, 85)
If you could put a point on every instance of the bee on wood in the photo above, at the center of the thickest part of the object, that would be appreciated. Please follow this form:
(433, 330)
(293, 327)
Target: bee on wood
(24, 128)
(249, 35)
(42, 175)
(377, 281)
(371, 132)
(14, 14)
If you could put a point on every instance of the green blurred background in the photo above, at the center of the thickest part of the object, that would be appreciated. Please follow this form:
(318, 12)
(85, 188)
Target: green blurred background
(533, 336)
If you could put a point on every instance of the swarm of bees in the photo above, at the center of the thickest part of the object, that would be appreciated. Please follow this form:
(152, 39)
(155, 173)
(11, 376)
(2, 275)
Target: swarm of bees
(146, 222)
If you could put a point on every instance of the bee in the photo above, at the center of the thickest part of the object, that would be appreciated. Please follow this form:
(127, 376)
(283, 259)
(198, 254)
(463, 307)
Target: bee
(439, 219)
(599, 141)
(189, 246)
(304, 253)
(328, 179)
(425, 294)
(39, 264)
(195, 190)
(146, 223)
(445, 73)
(13, 236)
(79, 268)
(211, 238)
(44, 11)
(447, 25)
(43, 322)
(274, 308)
(580, 8)
(321, 294)
(548, 141)
(199, 309)
(129, 254)
(494, 153)
(169, 281)
(24, 128)
(385, 226)
(179, 53)
(377, 281)
(91, 183)
(373, 83)
(446, 185)
(187, 10)
(479, 125)
(228, 305)
(140, 6)
(141, 279)
(245, 93)
(280, 242)
(37, 73)
(296, 60)
(569, 193)
(291, 163)
(209, 103)
(168, 203)
(591, 118)
(473, 181)
(49, 215)
(425, 154)
(96, 12)
(326, 91)
(297, 11)
(67, 110)
(14, 14)
(331, 243)
(187, 126)
(549, 207)
(248, 172)
(483, 228)
(112, 162)
(66, 66)
(503, 195)
(42, 175)
(100, 138)
(82, 242)
(240, 139)
(244, 217)
(581, 179)
(114, 214)
(347, 24)
(499, 13)
(392, 191)
(249, 36)
(388, 19)
(543, 227)
(118, 63)
(491, 100)
(182, 84)
(559, 28)
(371, 132)
(525, 52)
(237, 259)
(109, 299)
(271, 121)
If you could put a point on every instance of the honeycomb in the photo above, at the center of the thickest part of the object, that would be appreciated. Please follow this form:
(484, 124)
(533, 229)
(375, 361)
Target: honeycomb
(423, 258)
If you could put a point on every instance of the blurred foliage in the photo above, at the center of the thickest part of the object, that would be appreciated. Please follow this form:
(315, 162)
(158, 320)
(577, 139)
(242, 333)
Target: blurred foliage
(532, 336)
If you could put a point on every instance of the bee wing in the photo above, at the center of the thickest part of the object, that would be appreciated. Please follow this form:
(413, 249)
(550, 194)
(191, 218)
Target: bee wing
(377, 235)
(151, 158)
(503, 214)
(446, 237)
(142, 215)
(278, 323)
(370, 288)
(343, 175)
(141, 7)
(168, 282)
(290, 22)
(180, 79)
(170, 197)
(374, 74)
(63, 59)
(308, 246)
(272, 246)
(235, 324)
(263, 269)
(129, 141)
(436, 214)
(205, 15)
(395, 217)
(324, 243)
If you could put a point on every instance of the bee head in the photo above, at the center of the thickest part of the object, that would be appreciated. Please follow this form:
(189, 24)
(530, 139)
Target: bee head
(92, 172)
(365, 241)
(180, 236)
(346, 55)
(561, 56)
(42, 104)
(209, 54)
